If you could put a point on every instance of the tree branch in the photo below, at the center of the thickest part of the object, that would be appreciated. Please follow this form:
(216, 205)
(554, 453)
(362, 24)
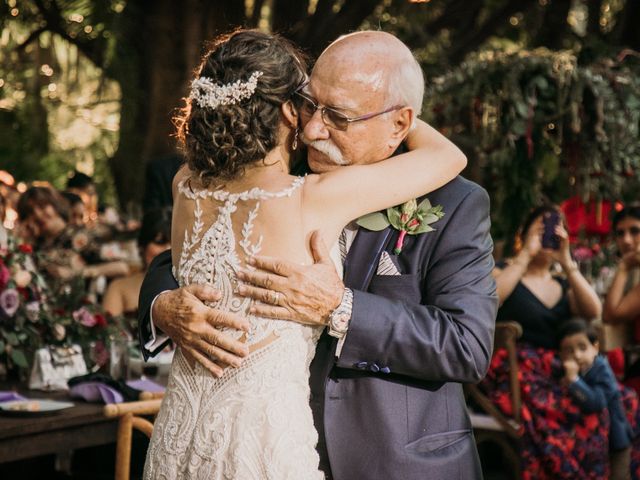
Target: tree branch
(288, 15)
(454, 12)
(55, 23)
(474, 38)
(32, 37)
(325, 25)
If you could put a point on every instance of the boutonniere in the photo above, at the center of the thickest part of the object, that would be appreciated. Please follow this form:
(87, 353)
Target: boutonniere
(408, 218)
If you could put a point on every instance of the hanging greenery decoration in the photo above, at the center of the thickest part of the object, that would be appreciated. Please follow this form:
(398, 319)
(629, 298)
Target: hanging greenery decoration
(537, 124)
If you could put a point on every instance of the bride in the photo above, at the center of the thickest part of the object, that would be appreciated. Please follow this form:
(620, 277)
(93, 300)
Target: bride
(234, 199)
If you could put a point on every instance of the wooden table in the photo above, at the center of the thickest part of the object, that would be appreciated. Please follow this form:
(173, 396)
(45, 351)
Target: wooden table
(83, 425)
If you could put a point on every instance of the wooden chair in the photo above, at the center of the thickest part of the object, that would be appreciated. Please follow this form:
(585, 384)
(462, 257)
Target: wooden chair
(130, 418)
(490, 424)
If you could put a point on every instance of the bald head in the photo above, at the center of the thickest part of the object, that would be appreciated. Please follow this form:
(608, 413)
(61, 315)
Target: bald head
(380, 60)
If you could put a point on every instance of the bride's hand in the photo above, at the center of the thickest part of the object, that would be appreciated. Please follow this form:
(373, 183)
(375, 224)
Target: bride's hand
(306, 294)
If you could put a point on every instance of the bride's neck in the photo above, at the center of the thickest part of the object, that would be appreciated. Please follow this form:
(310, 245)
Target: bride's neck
(275, 163)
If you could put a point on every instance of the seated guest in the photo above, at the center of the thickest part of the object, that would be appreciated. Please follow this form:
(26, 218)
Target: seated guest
(532, 295)
(593, 386)
(78, 215)
(82, 185)
(64, 251)
(559, 441)
(121, 297)
(622, 304)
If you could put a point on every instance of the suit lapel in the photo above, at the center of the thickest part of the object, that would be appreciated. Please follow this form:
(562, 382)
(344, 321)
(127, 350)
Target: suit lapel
(363, 257)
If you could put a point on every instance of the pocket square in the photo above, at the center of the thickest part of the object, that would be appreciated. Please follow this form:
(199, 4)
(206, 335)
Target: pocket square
(386, 265)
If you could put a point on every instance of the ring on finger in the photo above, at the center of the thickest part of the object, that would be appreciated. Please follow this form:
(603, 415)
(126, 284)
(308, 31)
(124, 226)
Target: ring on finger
(275, 297)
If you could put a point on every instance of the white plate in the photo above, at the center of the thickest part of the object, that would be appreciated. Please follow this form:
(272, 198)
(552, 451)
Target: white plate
(32, 407)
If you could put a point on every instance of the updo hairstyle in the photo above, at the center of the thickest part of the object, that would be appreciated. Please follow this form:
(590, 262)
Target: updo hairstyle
(220, 142)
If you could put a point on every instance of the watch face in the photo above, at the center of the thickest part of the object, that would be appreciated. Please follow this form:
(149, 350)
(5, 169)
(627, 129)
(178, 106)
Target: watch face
(339, 322)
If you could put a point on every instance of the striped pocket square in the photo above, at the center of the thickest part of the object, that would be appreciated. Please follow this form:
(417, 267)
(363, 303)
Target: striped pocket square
(386, 266)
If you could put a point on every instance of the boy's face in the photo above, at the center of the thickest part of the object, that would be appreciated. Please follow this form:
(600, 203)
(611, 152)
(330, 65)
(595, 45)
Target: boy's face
(577, 347)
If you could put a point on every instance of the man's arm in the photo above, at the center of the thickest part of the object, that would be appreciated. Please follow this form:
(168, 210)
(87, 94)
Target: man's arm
(182, 315)
(157, 280)
(450, 337)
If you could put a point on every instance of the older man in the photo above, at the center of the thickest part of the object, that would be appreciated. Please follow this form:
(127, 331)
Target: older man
(404, 329)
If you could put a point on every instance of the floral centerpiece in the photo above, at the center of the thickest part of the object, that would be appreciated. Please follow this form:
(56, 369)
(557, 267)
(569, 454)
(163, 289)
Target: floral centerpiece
(35, 314)
(24, 320)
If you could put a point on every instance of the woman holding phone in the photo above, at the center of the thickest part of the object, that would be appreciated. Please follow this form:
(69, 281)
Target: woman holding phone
(530, 293)
(558, 441)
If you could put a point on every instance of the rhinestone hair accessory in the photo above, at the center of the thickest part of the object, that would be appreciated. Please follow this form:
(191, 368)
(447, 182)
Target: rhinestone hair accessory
(211, 95)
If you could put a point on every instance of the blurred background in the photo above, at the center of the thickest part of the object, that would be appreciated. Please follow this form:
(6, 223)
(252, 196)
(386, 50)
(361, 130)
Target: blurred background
(543, 95)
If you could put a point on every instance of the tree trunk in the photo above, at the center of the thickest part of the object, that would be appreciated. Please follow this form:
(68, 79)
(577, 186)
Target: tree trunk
(160, 43)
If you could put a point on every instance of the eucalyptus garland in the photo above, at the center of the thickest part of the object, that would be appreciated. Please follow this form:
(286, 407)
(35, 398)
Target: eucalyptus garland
(537, 124)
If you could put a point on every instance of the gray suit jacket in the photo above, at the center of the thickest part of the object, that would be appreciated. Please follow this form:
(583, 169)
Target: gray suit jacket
(391, 406)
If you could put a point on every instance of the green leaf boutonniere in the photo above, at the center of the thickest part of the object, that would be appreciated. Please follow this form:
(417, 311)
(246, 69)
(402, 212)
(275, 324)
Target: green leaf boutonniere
(408, 218)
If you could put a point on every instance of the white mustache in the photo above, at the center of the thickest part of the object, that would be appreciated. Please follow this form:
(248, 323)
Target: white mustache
(327, 147)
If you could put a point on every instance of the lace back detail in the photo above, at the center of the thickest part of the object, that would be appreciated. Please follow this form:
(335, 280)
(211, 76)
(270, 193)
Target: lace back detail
(209, 255)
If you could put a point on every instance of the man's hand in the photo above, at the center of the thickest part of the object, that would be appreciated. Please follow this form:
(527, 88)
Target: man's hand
(303, 293)
(183, 316)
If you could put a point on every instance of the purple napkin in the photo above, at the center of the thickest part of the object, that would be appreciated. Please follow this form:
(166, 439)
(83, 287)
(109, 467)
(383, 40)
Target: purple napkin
(99, 392)
(8, 396)
(96, 392)
(145, 385)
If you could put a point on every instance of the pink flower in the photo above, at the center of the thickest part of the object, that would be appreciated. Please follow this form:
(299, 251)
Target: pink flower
(9, 301)
(582, 253)
(84, 317)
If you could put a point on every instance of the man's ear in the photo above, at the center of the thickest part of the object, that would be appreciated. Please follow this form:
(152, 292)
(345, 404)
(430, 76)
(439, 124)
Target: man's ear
(402, 121)
(290, 113)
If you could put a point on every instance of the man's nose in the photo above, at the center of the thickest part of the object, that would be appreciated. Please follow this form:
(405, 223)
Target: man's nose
(315, 129)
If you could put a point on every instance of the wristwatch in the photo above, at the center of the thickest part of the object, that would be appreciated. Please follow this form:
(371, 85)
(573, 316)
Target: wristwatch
(339, 319)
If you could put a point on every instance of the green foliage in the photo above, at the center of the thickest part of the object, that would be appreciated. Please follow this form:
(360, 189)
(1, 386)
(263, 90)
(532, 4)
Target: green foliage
(543, 126)
(58, 111)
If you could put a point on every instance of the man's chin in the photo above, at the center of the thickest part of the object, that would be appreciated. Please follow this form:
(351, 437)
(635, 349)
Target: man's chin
(319, 162)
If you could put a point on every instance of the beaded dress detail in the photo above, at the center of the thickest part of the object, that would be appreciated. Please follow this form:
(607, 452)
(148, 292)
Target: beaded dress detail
(255, 421)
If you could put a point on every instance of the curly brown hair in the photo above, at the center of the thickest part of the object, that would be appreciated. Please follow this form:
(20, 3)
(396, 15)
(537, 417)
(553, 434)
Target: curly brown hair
(221, 142)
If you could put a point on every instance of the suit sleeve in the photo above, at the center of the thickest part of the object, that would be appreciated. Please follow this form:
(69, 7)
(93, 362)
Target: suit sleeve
(450, 336)
(157, 280)
(593, 391)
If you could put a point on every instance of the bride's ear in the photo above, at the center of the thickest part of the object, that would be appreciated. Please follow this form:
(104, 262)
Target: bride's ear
(290, 113)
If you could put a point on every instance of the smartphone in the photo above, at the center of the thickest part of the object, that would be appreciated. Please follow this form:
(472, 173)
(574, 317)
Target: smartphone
(549, 237)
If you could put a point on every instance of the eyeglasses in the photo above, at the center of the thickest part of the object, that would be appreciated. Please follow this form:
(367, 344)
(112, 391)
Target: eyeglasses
(333, 118)
(633, 231)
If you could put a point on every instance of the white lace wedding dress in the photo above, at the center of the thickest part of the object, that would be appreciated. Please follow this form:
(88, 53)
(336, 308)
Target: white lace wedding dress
(255, 421)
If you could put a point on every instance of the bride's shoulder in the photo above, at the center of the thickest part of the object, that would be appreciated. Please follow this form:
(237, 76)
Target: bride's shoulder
(182, 174)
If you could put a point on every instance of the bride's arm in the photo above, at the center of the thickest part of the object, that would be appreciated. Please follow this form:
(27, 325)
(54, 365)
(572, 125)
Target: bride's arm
(348, 192)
